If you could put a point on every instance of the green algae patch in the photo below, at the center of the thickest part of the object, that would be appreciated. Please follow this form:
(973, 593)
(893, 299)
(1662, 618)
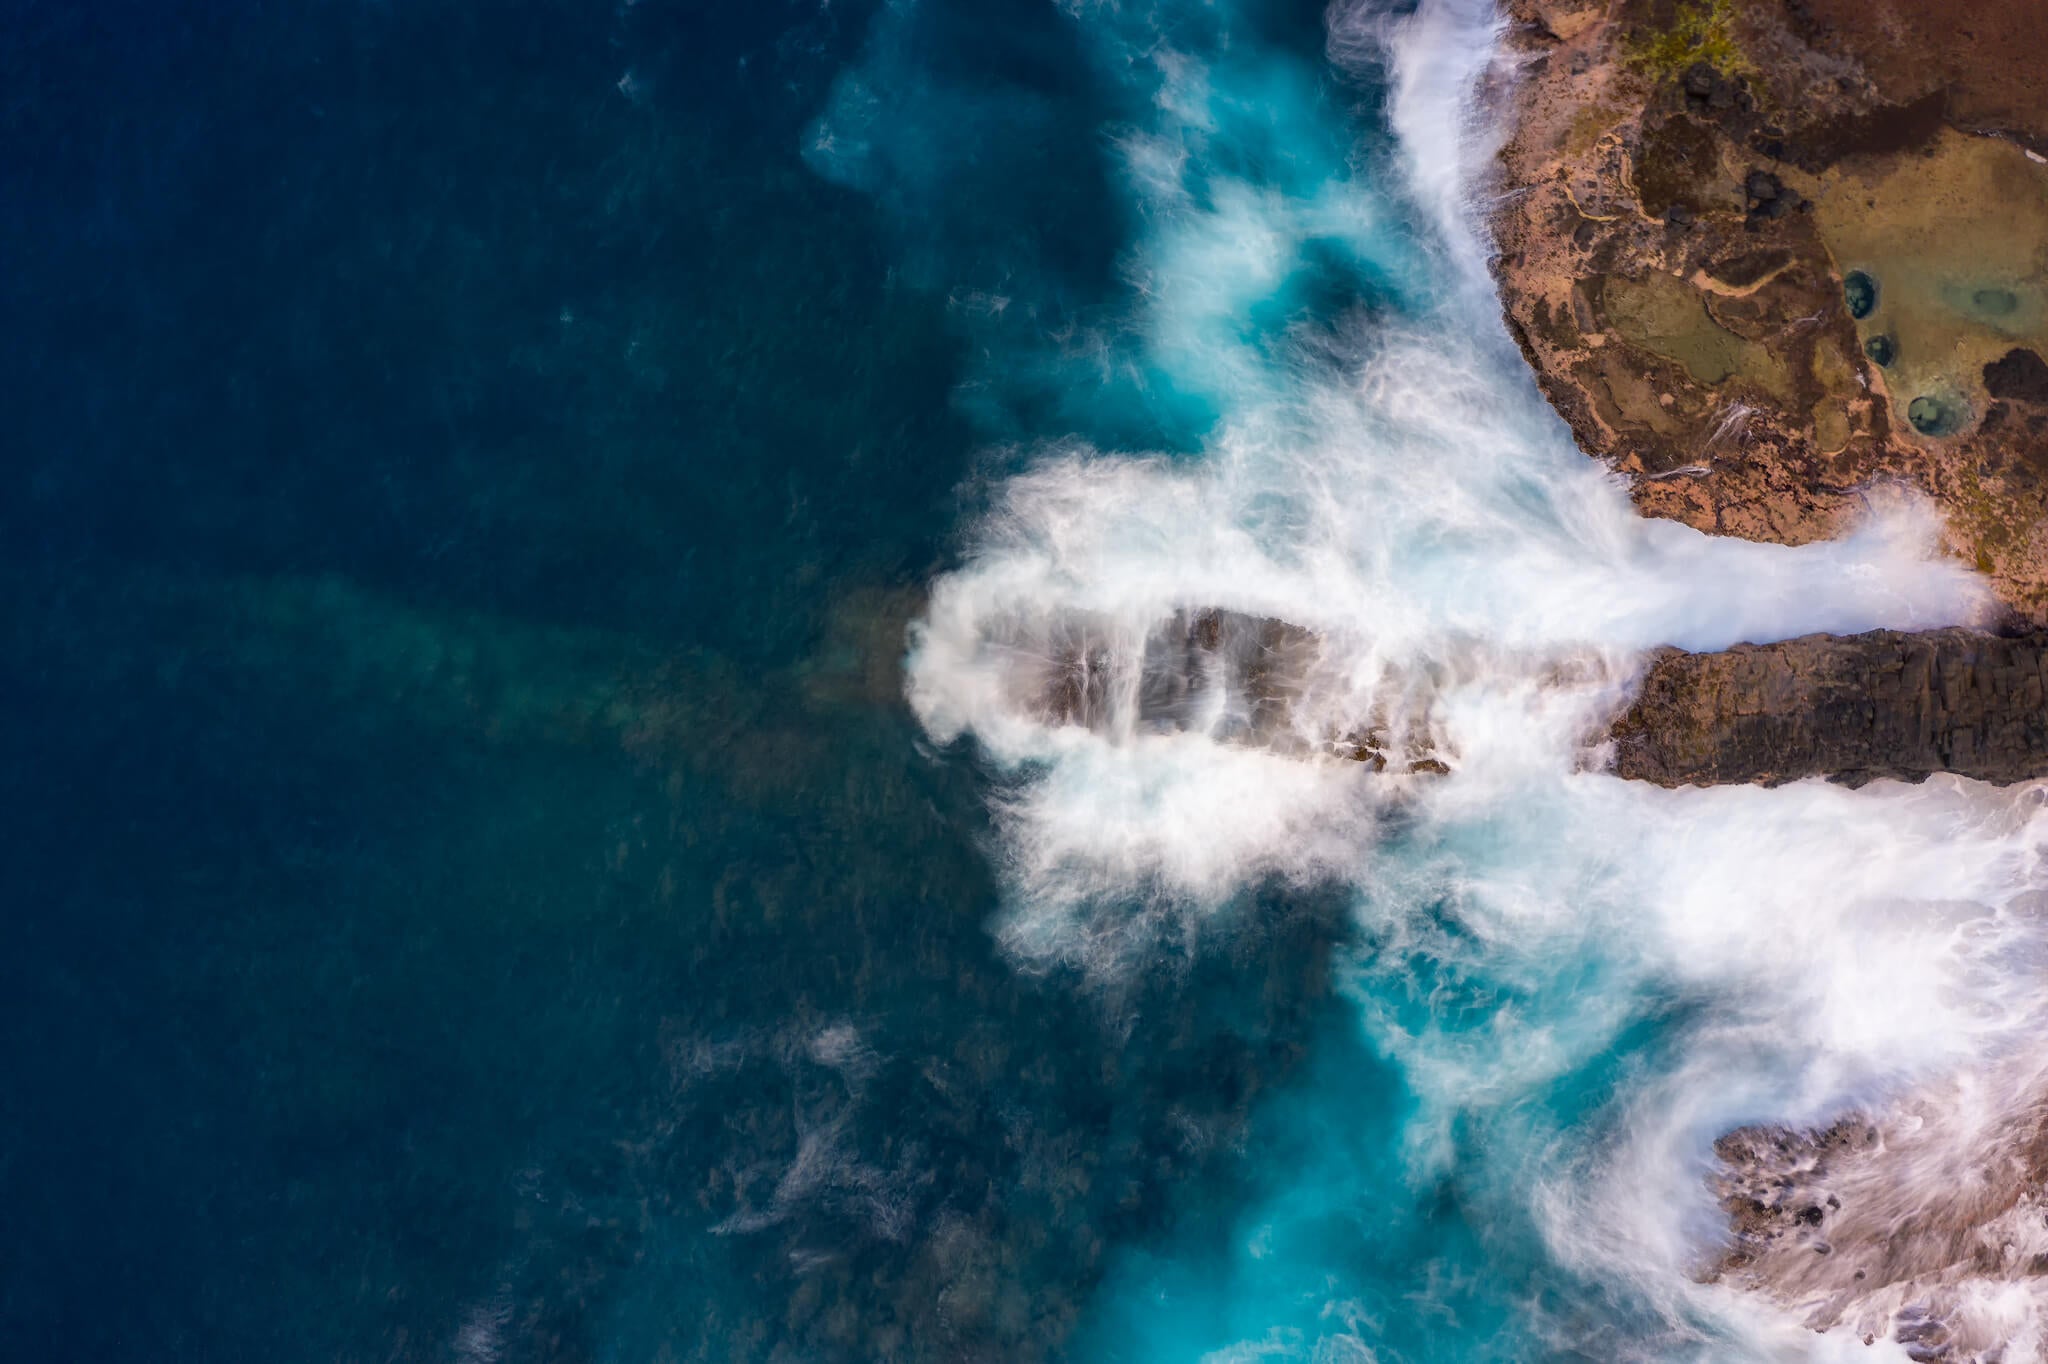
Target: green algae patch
(1698, 31)
(1589, 125)
(1944, 260)
(1625, 396)
(1835, 375)
(1669, 318)
(1830, 428)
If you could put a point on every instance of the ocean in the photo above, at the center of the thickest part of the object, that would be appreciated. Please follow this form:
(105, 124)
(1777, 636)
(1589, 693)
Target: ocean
(536, 533)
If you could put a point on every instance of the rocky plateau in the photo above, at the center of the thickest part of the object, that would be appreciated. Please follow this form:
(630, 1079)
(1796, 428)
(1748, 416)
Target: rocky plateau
(1767, 256)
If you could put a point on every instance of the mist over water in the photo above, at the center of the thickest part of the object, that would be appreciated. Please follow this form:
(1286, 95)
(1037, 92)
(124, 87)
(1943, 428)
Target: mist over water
(1565, 986)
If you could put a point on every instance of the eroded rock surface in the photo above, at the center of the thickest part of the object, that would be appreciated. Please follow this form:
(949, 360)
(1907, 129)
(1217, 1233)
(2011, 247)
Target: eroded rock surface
(1767, 256)
(1923, 1226)
(1238, 678)
(1854, 708)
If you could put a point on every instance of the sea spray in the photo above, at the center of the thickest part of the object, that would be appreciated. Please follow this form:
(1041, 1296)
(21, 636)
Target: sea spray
(1575, 985)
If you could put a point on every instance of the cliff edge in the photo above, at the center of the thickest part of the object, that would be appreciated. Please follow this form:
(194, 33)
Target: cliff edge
(1766, 256)
(1856, 708)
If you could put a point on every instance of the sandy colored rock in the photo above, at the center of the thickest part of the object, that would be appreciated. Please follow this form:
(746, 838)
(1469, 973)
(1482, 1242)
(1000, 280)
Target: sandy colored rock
(1909, 1225)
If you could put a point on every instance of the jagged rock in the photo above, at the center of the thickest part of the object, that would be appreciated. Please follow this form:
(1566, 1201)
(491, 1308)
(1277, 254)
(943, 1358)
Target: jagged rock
(1851, 708)
(1854, 708)
(1888, 1225)
(1239, 678)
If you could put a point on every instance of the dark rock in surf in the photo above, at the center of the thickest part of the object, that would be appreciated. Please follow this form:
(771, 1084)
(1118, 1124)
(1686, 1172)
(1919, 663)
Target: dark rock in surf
(1238, 678)
(1855, 708)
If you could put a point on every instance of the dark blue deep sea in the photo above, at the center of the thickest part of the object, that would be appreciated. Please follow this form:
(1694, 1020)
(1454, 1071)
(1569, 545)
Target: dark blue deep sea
(535, 536)
(467, 478)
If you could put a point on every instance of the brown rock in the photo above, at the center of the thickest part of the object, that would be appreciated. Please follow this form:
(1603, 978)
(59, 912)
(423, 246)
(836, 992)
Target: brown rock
(1883, 704)
(1855, 708)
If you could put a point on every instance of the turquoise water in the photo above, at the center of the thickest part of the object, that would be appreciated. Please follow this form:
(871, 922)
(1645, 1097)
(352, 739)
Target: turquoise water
(527, 841)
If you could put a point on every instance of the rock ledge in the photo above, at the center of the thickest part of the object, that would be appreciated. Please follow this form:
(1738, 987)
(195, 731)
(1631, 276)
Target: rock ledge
(1854, 708)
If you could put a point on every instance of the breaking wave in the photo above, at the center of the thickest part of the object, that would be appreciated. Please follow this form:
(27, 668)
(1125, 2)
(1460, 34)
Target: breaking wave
(1296, 403)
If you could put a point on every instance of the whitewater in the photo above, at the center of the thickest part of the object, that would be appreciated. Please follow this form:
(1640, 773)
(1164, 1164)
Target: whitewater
(1568, 986)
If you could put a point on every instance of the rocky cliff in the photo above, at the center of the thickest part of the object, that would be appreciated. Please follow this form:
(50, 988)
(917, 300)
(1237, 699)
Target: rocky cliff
(1767, 256)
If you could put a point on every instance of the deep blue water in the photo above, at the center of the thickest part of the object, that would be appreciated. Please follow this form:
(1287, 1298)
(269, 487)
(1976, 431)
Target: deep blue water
(467, 478)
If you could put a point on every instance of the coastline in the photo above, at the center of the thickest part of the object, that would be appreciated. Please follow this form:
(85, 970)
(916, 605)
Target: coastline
(1769, 268)
(1767, 280)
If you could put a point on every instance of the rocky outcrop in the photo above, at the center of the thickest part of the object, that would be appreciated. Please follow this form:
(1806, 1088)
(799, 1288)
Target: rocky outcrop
(1922, 1226)
(1883, 704)
(1239, 678)
(1766, 255)
(1851, 708)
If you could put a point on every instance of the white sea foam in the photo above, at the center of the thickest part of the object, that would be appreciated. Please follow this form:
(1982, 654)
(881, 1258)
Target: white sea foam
(1397, 486)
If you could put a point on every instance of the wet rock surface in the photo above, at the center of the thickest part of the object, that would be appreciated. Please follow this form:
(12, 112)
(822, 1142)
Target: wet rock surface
(1921, 1226)
(1238, 678)
(1852, 708)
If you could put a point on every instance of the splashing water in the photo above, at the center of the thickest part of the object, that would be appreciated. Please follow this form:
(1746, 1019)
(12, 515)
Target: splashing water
(1567, 986)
